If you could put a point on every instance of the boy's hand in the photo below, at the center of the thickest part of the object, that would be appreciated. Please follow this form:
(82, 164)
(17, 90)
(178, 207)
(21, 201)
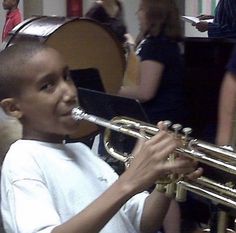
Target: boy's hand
(151, 162)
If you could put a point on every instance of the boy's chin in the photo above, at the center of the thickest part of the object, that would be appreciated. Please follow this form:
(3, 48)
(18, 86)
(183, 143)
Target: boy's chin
(83, 129)
(72, 128)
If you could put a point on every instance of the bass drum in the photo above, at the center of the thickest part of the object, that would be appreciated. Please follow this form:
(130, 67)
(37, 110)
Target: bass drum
(84, 43)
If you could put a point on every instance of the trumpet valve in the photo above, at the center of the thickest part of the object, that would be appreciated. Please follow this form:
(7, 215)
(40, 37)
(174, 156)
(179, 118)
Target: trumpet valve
(176, 128)
(181, 193)
(160, 188)
(170, 189)
(167, 123)
(186, 131)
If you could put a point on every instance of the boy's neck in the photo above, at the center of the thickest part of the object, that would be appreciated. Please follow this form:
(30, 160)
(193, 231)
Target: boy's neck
(50, 138)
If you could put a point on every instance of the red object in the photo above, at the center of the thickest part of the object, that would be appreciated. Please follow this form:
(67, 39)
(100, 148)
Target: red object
(74, 8)
(13, 18)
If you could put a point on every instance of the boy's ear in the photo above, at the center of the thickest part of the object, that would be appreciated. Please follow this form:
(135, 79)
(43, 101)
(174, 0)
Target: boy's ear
(11, 107)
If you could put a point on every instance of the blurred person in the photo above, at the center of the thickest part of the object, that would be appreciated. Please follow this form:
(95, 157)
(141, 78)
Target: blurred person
(111, 14)
(160, 81)
(224, 21)
(13, 16)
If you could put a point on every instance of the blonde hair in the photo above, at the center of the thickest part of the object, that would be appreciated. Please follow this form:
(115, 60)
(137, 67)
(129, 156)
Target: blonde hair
(162, 17)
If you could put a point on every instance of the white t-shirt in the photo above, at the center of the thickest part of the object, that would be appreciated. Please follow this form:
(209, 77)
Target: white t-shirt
(44, 185)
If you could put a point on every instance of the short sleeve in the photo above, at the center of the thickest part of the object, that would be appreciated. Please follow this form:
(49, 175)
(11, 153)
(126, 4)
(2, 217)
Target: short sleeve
(133, 209)
(26, 204)
(156, 49)
(25, 196)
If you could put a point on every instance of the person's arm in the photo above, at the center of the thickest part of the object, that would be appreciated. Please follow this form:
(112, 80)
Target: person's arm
(225, 24)
(226, 112)
(93, 218)
(216, 30)
(223, 31)
(157, 206)
(152, 219)
(149, 163)
(149, 79)
(103, 208)
(172, 221)
(17, 19)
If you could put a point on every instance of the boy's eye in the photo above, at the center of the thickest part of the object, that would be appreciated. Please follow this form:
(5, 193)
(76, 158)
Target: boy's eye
(46, 86)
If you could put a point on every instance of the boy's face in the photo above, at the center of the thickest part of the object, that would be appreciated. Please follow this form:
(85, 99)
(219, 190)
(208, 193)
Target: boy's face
(47, 98)
(9, 4)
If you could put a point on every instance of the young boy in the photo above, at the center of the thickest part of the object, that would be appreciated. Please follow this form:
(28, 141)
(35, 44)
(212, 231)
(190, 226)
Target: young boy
(51, 186)
(13, 16)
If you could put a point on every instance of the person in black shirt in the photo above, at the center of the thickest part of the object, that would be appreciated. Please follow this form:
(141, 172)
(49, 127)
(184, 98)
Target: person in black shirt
(160, 81)
(110, 13)
(224, 23)
(160, 85)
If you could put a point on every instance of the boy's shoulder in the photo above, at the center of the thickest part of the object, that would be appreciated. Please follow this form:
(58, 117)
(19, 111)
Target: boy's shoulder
(39, 152)
(34, 157)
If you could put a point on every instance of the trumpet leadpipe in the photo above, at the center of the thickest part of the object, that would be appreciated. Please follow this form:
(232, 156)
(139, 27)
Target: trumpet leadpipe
(79, 114)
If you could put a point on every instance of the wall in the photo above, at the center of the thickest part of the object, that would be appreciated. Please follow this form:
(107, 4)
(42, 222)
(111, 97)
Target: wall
(54, 7)
(44, 7)
(58, 7)
(191, 10)
(33, 7)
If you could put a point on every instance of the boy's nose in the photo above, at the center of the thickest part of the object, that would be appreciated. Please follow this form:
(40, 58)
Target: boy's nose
(69, 92)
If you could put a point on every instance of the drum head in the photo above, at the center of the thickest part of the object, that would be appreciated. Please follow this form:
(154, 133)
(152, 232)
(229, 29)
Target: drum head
(84, 44)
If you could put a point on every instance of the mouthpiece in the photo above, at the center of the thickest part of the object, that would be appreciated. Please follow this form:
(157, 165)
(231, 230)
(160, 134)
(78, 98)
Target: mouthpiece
(78, 113)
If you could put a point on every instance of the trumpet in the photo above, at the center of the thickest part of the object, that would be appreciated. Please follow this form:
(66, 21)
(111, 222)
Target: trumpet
(214, 156)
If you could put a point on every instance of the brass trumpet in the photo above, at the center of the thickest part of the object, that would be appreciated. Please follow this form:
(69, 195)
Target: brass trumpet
(206, 153)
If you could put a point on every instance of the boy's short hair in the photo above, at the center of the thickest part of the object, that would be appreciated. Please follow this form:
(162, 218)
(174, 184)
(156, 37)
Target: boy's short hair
(13, 66)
